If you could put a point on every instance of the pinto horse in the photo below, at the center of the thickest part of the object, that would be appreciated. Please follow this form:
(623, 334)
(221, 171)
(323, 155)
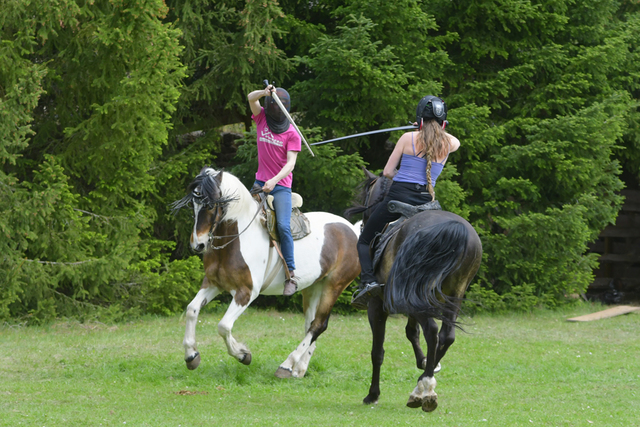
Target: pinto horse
(426, 267)
(238, 258)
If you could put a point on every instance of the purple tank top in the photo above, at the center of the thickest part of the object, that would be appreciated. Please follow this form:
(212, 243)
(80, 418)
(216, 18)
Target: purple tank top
(414, 169)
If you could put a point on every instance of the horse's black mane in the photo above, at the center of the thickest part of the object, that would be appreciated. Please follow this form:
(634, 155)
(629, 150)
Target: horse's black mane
(208, 187)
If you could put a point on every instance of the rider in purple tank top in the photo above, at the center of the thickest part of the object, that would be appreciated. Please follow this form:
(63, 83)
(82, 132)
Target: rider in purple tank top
(421, 157)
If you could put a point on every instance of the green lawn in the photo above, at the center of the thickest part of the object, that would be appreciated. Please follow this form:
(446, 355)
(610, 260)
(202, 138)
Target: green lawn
(512, 370)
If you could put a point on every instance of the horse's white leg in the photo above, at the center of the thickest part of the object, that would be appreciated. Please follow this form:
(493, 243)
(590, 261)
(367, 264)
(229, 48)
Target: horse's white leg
(234, 348)
(303, 363)
(424, 395)
(298, 361)
(204, 295)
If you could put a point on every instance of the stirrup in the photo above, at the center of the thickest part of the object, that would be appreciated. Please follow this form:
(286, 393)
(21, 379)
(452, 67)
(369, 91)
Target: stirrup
(290, 286)
(361, 297)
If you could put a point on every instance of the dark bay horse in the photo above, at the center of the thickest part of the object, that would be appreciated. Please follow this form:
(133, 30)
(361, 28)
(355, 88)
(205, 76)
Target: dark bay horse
(426, 267)
(238, 258)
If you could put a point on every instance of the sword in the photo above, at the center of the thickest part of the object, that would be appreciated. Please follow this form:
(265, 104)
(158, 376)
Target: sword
(286, 113)
(368, 133)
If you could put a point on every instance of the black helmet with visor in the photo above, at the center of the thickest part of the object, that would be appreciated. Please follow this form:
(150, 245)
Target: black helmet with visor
(431, 108)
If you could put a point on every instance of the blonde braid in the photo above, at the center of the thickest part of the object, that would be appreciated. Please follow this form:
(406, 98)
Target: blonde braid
(434, 142)
(430, 188)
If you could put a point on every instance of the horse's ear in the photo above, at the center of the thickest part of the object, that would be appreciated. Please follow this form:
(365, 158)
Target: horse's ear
(218, 178)
(369, 174)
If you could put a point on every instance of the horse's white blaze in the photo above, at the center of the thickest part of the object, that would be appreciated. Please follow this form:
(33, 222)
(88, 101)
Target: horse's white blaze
(197, 239)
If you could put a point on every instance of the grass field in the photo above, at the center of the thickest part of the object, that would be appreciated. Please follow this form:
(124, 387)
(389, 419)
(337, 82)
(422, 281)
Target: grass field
(511, 370)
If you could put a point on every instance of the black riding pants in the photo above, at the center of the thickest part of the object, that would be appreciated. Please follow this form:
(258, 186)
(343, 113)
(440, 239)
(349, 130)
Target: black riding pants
(413, 194)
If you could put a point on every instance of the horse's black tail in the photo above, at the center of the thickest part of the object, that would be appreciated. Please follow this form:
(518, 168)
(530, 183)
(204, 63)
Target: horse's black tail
(424, 261)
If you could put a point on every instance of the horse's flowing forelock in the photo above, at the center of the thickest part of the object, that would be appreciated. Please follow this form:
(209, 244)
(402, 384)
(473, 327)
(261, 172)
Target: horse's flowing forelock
(207, 184)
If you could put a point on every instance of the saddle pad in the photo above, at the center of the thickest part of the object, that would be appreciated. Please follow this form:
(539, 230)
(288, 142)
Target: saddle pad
(300, 226)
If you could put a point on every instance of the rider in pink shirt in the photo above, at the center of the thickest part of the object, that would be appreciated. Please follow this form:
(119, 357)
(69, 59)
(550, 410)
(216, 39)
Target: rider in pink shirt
(273, 150)
(278, 148)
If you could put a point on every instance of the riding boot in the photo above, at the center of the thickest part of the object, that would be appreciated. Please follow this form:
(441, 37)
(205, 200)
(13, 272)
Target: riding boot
(364, 293)
(291, 285)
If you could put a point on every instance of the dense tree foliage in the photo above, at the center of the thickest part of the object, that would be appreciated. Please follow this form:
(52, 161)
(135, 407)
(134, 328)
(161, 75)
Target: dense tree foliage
(88, 91)
(108, 108)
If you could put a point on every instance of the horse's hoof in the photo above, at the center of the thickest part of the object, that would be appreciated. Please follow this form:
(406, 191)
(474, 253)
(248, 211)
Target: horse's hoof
(429, 403)
(370, 400)
(438, 368)
(246, 359)
(414, 402)
(193, 361)
(284, 373)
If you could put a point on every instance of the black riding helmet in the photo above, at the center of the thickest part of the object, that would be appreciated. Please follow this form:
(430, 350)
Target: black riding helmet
(431, 108)
(276, 119)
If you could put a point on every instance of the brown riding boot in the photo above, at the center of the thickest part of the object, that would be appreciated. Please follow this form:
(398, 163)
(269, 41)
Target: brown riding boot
(291, 285)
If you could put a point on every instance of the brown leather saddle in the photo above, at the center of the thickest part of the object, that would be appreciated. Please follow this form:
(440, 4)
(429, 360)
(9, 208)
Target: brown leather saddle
(300, 226)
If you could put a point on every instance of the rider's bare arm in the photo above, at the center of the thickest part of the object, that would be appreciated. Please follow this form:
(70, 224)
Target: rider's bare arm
(254, 99)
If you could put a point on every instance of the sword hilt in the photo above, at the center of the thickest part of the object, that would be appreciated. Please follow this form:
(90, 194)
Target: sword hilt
(265, 82)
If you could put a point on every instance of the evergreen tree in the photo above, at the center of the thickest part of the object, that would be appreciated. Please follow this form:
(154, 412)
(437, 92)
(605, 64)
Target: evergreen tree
(541, 176)
(98, 80)
(108, 108)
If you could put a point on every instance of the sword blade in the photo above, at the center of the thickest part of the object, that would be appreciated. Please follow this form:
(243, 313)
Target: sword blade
(367, 133)
(288, 116)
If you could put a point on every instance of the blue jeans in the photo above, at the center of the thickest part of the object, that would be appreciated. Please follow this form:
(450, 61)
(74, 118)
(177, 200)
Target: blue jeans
(282, 205)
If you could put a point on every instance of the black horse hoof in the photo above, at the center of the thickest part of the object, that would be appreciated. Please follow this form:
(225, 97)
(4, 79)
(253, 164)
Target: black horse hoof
(370, 400)
(193, 361)
(429, 403)
(414, 402)
(246, 359)
(283, 372)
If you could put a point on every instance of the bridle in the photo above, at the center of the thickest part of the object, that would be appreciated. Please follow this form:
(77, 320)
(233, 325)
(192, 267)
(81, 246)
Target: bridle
(219, 206)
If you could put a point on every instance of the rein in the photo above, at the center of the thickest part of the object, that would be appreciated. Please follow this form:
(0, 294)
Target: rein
(235, 236)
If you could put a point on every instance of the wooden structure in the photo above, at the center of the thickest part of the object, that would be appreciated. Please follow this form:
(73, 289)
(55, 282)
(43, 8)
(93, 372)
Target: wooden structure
(618, 278)
(605, 314)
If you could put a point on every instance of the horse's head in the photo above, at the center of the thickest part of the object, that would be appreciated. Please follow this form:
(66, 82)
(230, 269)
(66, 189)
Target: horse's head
(371, 192)
(210, 204)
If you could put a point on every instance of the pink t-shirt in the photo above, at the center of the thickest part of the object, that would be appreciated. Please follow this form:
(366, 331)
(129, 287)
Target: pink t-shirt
(272, 150)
